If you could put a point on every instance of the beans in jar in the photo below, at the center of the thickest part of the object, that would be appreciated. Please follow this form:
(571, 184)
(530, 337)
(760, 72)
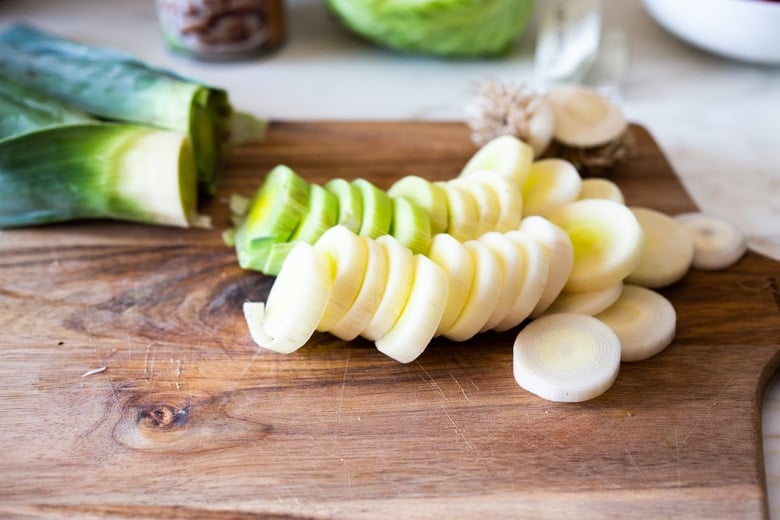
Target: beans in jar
(221, 29)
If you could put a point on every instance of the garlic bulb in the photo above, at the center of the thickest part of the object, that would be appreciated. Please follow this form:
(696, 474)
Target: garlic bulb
(507, 108)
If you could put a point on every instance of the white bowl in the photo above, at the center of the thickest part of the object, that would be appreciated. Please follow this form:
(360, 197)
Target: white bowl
(746, 30)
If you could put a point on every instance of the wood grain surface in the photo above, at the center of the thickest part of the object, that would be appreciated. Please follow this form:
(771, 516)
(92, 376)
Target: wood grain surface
(185, 418)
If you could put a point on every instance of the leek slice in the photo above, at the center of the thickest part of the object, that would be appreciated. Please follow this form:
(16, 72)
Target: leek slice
(566, 357)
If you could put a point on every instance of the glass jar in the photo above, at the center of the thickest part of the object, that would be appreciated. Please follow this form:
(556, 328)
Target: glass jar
(221, 29)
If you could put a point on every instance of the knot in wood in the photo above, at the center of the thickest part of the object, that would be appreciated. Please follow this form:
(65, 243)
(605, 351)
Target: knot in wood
(162, 416)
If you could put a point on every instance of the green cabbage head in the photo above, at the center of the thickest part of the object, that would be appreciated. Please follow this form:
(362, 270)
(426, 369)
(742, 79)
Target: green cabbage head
(458, 28)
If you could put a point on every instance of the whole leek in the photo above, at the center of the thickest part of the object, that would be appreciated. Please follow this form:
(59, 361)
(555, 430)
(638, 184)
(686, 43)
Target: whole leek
(97, 170)
(115, 86)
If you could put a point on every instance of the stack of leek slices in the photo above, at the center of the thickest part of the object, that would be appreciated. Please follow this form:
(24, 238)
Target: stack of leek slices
(513, 241)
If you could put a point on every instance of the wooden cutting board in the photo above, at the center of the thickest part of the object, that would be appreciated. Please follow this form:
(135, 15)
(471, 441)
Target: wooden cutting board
(189, 420)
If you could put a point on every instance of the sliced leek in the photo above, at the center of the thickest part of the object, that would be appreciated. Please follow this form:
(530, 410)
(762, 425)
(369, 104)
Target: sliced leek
(419, 319)
(718, 243)
(643, 319)
(600, 188)
(607, 241)
(505, 155)
(410, 225)
(275, 211)
(584, 117)
(590, 303)
(536, 274)
(400, 270)
(511, 259)
(667, 252)
(482, 298)
(566, 357)
(551, 184)
(427, 196)
(462, 211)
(458, 265)
(348, 257)
(510, 200)
(559, 251)
(286, 321)
(367, 301)
(488, 204)
(350, 203)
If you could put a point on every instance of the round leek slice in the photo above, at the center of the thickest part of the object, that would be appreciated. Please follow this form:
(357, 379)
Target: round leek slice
(566, 357)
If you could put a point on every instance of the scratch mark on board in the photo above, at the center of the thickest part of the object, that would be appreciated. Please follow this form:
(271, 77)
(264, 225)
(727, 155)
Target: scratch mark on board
(458, 431)
(336, 441)
(149, 364)
(349, 477)
(635, 464)
(246, 368)
(677, 457)
(462, 391)
(343, 388)
(713, 404)
(113, 391)
(292, 495)
(146, 359)
(618, 437)
(722, 390)
(433, 382)
(178, 374)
